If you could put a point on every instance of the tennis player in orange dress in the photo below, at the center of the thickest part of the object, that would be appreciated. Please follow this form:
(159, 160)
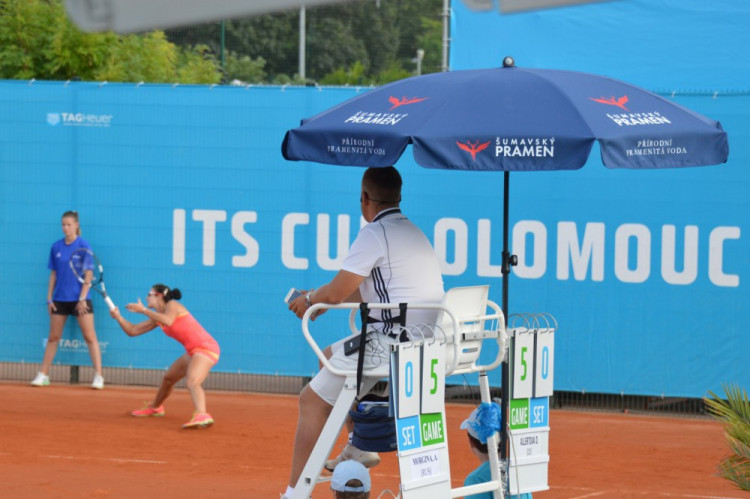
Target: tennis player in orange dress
(202, 350)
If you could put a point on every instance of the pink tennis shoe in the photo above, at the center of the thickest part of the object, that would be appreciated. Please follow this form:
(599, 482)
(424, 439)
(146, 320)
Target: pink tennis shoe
(200, 420)
(148, 411)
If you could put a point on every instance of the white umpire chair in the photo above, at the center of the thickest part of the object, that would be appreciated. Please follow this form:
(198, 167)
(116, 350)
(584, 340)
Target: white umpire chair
(466, 318)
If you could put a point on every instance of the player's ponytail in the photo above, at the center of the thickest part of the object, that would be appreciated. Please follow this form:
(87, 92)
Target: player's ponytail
(166, 293)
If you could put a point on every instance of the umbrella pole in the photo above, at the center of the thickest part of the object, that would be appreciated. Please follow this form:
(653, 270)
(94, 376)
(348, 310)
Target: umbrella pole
(506, 262)
(505, 268)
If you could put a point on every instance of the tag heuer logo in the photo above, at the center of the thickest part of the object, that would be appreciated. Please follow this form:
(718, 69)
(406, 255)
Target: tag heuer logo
(53, 118)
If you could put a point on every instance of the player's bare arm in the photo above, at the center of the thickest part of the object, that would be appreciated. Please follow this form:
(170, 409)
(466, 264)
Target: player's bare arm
(130, 328)
(171, 311)
(81, 306)
(50, 290)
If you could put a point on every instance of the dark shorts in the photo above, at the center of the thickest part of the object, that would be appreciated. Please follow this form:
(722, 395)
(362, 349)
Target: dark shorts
(69, 308)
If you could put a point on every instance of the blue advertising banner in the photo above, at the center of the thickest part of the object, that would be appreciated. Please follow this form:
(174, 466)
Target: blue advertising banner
(186, 186)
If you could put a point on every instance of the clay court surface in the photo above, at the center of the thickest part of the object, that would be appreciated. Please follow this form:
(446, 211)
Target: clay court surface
(70, 441)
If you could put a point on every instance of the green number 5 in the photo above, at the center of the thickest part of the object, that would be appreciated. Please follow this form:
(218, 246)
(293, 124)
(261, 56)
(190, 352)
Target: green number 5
(434, 377)
(523, 362)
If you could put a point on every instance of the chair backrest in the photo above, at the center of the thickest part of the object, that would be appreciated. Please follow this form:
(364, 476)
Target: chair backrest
(468, 304)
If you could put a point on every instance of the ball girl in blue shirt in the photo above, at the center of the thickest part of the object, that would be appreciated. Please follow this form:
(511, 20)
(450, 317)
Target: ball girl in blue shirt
(66, 296)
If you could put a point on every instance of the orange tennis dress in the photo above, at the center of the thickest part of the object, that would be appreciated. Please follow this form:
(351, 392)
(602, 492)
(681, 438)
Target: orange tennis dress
(193, 337)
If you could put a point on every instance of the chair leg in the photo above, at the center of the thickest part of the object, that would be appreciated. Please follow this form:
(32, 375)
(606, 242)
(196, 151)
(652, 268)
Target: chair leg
(327, 439)
(492, 441)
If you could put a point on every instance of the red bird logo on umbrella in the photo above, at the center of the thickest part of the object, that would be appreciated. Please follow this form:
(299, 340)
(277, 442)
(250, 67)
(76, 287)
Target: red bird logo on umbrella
(474, 148)
(403, 101)
(613, 102)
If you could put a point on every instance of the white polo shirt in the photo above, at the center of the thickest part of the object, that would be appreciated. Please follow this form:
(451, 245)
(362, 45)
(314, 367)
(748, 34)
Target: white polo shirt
(400, 266)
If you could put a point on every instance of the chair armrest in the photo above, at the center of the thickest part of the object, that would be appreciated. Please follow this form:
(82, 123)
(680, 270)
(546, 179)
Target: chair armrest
(498, 333)
(372, 306)
(502, 337)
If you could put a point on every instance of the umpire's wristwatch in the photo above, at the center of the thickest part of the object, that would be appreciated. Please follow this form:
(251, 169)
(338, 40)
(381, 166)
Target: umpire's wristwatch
(308, 299)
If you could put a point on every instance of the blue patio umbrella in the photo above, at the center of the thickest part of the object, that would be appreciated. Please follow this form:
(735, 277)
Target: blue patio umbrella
(509, 119)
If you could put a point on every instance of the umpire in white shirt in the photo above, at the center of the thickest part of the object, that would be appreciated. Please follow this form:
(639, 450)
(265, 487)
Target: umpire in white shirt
(390, 261)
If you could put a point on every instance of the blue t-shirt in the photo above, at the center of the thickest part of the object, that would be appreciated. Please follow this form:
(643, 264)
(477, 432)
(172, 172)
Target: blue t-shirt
(481, 475)
(67, 287)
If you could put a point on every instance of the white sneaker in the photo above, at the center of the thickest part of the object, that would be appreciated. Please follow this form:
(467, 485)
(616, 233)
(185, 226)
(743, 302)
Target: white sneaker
(40, 380)
(367, 458)
(98, 382)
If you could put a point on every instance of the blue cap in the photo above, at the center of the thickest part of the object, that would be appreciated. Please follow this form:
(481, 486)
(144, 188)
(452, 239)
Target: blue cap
(483, 421)
(350, 470)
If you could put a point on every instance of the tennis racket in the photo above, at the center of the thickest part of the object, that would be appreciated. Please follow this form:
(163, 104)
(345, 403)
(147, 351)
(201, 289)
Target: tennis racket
(83, 261)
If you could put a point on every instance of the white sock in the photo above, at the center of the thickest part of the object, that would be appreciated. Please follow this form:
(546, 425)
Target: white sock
(351, 435)
(289, 491)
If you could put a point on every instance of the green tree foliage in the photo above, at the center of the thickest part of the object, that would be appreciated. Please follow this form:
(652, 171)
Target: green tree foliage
(431, 41)
(270, 38)
(353, 75)
(358, 42)
(37, 40)
(268, 43)
(197, 65)
(734, 413)
(244, 68)
(331, 44)
(392, 73)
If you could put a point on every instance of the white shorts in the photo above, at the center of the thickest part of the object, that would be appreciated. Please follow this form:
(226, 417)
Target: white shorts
(377, 358)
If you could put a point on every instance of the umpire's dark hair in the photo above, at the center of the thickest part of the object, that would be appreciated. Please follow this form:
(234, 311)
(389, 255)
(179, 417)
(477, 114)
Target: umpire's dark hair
(338, 494)
(352, 495)
(474, 442)
(383, 185)
(166, 293)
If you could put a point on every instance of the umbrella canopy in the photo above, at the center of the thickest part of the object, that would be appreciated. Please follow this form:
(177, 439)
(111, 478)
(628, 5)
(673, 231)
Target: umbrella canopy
(509, 119)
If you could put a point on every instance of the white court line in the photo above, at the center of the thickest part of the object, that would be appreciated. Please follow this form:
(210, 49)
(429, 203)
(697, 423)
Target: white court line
(593, 494)
(109, 459)
(140, 461)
